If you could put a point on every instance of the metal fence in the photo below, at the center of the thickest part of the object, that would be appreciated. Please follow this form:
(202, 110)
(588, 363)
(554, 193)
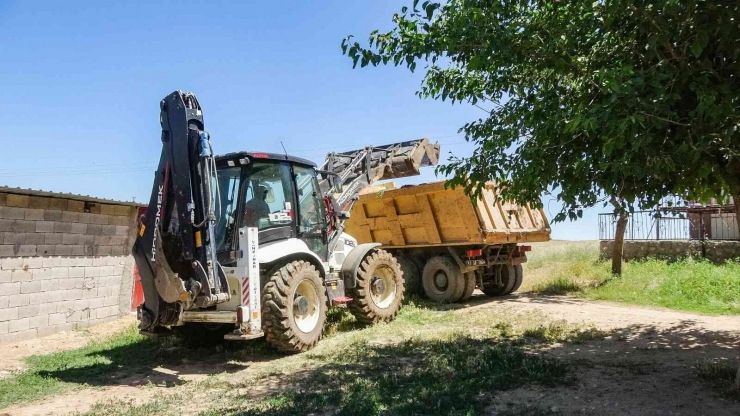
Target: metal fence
(655, 225)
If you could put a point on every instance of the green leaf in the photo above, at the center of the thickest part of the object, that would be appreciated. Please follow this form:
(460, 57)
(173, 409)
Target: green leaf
(700, 42)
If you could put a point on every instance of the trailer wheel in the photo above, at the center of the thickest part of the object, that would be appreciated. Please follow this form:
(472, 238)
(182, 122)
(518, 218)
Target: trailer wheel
(294, 307)
(380, 289)
(442, 279)
(519, 273)
(469, 286)
(411, 275)
(508, 280)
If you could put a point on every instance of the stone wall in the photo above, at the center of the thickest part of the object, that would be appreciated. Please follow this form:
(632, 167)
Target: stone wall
(64, 263)
(715, 251)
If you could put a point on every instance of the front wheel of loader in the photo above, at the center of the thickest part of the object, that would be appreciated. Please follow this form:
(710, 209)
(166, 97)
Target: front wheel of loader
(294, 307)
(380, 289)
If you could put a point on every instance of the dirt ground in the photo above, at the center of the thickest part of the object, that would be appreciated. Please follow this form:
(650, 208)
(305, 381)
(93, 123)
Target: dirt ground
(645, 366)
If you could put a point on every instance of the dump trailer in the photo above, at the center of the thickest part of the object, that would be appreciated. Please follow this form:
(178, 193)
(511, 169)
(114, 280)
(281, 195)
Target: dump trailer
(447, 244)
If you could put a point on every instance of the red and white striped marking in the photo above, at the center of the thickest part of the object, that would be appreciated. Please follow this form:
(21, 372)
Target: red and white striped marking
(245, 291)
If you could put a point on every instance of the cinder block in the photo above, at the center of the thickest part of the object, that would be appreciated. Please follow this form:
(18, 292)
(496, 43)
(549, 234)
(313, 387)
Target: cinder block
(4, 302)
(87, 239)
(60, 272)
(10, 289)
(84, 261)
(78, 250)
(38, 202)
(44, 226)
(101, 219)
(118, 250)
(39, 321)
(62, 227)
(47, 308)
(122, 210)
(19, 336)
(106, 209)
(66, 306)
(64, 284)
(53, 238)
(50, 285)
(17, 200)
(32, 214)
(76, 272)
(11, 264)
(68, 262)
(51, 262)
(3, 199)
(5, 224)
(6, 276)
(39, 298)
(57, 318)
(110, 301)
(31, 286)
(70, 239)
(21, 275)
(75, 206)
(22, 226)
(99, 313)
(119, 221)
(19, 300)
(92, 271)
(32, 239)
(28, 311)
(103, 250)
(26, 250)
(6, 250)
(73, 316)
(94, 229)
(8, 314)
(71, 217)
(52, 215)
(96, 303)
(63, 250)
(19, 324)
(32, 263)
(89, 292)
(122, 230)
(81, 304)
(118, 240)
(58, 204)
(13, 213)
(4, 327)
(102, 240)
(109, 230)
(41, 274)
(86, 218)
(79, 228)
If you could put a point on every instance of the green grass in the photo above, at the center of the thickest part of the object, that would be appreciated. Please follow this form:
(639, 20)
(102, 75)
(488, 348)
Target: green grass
(721, 376)
(687, 285)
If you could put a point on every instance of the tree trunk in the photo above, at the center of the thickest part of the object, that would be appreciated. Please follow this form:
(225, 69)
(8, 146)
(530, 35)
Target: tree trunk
(618, 238)
(736, 201)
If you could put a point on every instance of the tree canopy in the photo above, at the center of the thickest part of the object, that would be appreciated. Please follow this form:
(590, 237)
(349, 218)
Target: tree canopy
(595, 99)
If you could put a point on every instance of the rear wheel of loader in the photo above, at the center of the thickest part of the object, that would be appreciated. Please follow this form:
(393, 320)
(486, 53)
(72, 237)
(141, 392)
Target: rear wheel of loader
(519, 273)
(294, 307)
(442, 279)
(508, 280)
(411, 275)
(469, 286)
(380, 289)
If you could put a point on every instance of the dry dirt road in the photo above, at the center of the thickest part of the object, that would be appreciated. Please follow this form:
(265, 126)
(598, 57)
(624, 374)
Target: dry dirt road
(646, 366)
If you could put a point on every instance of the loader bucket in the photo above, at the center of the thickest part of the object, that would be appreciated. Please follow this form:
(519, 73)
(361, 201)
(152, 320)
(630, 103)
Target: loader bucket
(407, 160)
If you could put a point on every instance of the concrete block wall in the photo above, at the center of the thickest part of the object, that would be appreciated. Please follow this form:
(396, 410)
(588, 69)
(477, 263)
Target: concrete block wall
(714, 250)
(64, 264)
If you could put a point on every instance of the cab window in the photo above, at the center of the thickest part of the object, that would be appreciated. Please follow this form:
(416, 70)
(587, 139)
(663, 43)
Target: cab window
(268, 201)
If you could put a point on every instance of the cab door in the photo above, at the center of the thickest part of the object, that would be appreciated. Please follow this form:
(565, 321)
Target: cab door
(312, 226)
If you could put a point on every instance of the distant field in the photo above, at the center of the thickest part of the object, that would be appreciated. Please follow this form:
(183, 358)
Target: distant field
(572, 267)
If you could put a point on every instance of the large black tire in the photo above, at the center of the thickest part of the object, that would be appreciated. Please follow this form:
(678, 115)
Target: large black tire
(469, 286)
(519, 273)
(443, 280)
(411, 275)
(508, 280)
(380, 288)
(294, 308)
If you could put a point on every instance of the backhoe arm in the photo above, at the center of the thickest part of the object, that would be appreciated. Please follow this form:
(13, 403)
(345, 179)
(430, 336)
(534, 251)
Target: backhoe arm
(175, 250)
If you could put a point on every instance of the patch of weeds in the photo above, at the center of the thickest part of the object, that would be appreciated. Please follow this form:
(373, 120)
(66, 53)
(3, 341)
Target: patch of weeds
(558, 286)
(562, 331)
(160, 404)
(721, 376)
(451, 376)
(339, 319)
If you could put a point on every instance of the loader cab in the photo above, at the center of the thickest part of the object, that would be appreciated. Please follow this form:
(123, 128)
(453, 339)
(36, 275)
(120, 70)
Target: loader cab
(278, 194)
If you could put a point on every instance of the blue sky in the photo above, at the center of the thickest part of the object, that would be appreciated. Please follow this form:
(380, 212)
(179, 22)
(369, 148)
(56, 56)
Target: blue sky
(81, 83)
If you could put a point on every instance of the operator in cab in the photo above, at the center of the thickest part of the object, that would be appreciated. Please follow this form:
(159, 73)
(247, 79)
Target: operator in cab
(256, 208)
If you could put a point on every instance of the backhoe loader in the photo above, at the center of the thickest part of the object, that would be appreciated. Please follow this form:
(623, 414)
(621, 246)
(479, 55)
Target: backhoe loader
(252, 244)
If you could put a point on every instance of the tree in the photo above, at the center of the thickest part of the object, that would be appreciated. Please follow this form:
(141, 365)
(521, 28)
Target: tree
(622, 102)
